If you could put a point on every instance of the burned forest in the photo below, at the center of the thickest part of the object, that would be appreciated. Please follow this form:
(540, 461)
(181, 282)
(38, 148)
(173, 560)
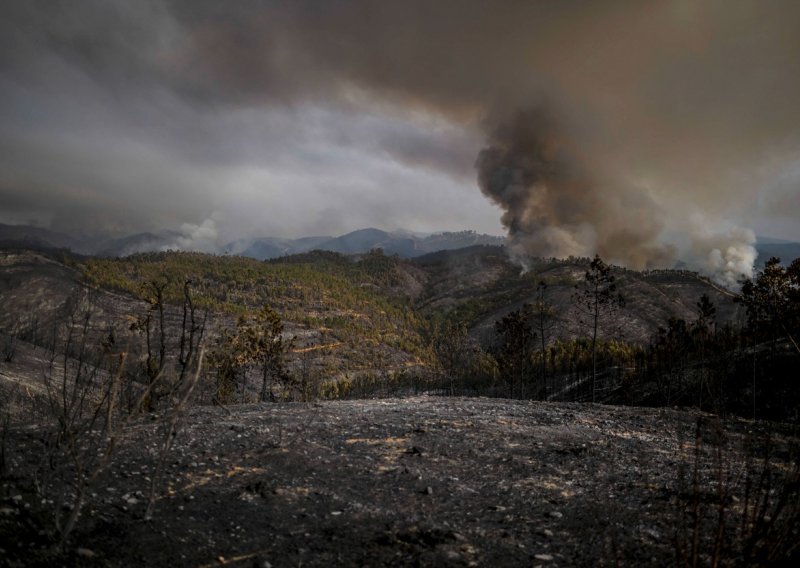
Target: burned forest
(199, 410)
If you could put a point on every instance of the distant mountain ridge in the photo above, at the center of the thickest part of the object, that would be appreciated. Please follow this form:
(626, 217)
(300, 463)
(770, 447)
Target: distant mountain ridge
(401, 243)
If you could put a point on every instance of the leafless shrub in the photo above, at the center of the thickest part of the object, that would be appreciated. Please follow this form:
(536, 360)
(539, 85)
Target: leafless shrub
(734, 513)
(84, 419)
(79, 433)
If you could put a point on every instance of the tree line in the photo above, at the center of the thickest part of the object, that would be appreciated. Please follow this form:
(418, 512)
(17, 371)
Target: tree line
(542, 352)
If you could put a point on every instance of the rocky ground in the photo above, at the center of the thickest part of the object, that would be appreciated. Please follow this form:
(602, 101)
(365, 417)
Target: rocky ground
(420, 481)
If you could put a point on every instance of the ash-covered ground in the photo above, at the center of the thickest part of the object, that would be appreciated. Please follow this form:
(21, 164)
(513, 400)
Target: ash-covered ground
(419, 481)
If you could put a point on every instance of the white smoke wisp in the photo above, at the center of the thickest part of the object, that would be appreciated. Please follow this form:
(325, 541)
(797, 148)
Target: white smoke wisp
(546, 242)
(197, 238)
(725, 256)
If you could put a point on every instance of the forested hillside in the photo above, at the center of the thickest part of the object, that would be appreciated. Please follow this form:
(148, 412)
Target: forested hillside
(342, 310)
(463, 321)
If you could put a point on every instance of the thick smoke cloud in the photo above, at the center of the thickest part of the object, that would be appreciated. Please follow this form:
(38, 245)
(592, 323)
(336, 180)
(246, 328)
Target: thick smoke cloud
(598, 126)
(555, 208)
(727, 254)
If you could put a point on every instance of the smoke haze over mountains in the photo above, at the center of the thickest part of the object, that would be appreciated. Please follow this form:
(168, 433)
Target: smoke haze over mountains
(593, 126)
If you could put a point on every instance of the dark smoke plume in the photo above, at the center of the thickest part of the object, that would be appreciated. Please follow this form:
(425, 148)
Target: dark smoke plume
(555, 208)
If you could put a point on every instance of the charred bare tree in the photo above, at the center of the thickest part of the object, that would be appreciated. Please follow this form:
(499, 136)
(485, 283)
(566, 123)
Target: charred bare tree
(192, 332)
(703, 330)
(515, 343)
(544, 318)
(461, 366)
(152, 325)
(596, 301)
(8, 342)
(309, 383)
(450, 345)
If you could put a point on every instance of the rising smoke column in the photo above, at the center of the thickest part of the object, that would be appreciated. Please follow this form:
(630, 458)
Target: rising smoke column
(554, 207)
(726, 255)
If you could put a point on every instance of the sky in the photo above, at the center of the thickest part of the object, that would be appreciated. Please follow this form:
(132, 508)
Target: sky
(643, 130)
